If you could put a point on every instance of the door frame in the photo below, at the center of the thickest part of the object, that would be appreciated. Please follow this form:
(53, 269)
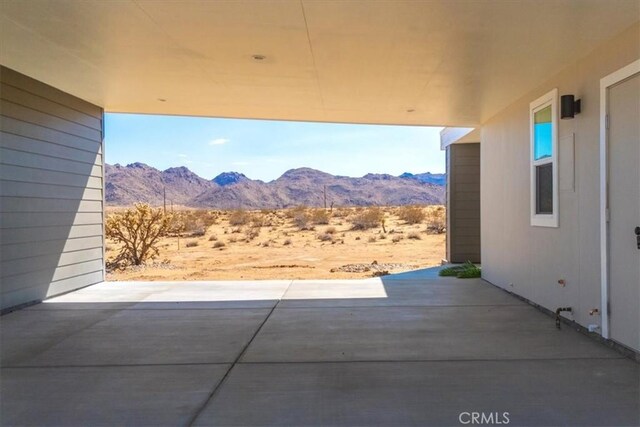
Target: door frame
(605, 83)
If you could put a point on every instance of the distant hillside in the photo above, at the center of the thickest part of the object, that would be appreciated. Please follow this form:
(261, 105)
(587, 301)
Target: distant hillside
(138, 182)
(427, 178)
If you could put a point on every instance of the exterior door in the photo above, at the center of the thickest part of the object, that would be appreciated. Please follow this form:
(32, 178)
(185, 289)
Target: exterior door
(624, 211)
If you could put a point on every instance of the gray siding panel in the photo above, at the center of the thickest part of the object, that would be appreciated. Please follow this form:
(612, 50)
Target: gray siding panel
(30, 189)
(463, 188)
(38, 103)
(19, 112)
(22, 295)
(51, 191)
(15, 267)
(39, 161)
(38, 233)
(11, 173)
(47, 219)
(48, 205)
(23, 144)
(48, 273)
(54, 137)
(15, 79)
(33, 249)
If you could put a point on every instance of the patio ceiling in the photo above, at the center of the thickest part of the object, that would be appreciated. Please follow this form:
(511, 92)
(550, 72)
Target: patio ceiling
(450, 63)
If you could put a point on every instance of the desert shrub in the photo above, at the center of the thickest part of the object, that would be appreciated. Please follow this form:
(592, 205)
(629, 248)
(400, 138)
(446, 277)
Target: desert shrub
(320, 216)
(325, 237)
(287, 242)
(138, 229)
(302, 221)
(383, 236)
(213, 238)
(293, 212)
(372, 239)
(258, 220)
(330, 230)
(414, 235)
(193, 222)
(411, 214)
(236, 230)
(367, 218)
(341, 212)
(232, 240)
(251, 234)
(436, 219)
(219, 244)
(239, 217)
(192, 244)
(396, 239)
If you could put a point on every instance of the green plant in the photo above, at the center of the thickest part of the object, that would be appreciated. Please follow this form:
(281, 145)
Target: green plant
(467, 270)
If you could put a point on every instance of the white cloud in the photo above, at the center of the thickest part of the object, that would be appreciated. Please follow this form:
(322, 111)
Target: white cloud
(218, 141)
(184, 156)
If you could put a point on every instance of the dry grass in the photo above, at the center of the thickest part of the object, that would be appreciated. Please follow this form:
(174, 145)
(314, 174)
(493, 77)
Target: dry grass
(288, 248)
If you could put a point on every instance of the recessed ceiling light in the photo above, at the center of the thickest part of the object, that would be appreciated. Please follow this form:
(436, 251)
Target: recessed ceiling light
(258, 57)
(410, 110)
(162, 100)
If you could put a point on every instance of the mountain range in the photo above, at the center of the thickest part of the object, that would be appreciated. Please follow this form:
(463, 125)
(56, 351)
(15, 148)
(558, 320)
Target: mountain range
(138, 182)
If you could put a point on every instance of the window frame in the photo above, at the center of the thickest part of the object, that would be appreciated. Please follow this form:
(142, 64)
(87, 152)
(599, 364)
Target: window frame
(537, 219)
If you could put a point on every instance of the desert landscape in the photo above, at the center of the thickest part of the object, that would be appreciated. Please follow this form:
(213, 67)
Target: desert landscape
(293, 243)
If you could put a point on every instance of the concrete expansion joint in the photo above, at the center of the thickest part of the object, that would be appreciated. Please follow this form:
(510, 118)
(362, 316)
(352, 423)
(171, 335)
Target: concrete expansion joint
(221, 383)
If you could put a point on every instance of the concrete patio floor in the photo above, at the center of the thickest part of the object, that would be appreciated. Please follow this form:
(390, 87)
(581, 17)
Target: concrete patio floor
(406, 350)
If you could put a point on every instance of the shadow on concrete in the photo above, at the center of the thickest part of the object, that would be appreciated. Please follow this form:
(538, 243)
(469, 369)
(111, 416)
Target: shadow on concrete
(406, 349)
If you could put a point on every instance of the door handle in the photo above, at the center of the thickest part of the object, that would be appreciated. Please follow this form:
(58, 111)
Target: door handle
(637, 230)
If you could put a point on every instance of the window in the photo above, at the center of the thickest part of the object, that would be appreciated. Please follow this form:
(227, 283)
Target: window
(544, 156)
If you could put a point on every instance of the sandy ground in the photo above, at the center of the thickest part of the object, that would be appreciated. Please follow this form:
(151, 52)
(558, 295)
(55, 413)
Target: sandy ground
(282, 251)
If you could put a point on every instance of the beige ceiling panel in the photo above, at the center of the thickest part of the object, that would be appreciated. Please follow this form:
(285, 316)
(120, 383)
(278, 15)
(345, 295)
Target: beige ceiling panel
(453, 63)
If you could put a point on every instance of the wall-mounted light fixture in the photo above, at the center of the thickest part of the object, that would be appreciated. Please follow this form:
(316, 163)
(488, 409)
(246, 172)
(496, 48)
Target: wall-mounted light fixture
(569, 106)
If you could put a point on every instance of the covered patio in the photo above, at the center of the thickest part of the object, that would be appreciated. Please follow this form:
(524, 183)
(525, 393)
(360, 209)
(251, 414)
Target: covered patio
(406, 349)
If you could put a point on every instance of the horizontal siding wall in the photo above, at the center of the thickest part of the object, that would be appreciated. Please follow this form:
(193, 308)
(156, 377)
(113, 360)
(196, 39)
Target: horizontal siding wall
(51, 191)
(464, 202)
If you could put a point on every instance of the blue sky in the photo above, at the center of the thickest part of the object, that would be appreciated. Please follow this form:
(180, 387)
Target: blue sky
(266, 149)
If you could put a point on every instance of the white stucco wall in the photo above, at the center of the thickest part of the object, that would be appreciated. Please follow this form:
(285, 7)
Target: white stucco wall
(530, 260)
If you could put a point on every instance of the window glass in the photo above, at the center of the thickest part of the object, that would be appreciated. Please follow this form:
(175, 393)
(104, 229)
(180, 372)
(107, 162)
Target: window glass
(542, 140)
(544, 189)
